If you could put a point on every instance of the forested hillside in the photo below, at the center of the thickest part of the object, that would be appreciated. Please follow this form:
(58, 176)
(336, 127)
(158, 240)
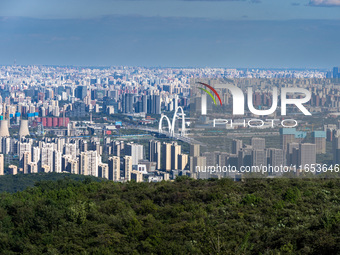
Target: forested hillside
(258, 216)
(19, 182)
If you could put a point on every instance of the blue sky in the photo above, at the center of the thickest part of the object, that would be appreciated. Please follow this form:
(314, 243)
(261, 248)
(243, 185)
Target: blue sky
(245, 33)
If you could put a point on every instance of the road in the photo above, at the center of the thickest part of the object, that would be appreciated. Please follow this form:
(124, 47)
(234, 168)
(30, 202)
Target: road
(176, 136)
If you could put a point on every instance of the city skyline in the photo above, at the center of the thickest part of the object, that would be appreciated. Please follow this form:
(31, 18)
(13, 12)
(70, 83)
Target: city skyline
(108, 122)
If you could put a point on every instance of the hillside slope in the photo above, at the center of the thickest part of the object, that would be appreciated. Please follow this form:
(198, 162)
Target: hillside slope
(19, 182)
(279, 216)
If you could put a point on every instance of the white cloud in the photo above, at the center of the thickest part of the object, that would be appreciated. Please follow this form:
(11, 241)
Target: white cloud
(324, 2)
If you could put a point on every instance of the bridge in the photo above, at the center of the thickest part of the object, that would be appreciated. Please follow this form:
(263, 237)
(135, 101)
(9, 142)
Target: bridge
(171, 126)
(170, 131)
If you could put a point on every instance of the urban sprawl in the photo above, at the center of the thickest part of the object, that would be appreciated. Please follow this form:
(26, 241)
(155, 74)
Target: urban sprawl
(105, 122)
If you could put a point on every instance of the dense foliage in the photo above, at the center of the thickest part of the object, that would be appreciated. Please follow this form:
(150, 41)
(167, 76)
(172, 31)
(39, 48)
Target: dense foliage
(19, 182)
(258, 216)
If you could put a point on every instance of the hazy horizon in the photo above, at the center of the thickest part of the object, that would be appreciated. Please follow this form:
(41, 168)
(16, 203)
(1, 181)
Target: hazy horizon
(230, 34)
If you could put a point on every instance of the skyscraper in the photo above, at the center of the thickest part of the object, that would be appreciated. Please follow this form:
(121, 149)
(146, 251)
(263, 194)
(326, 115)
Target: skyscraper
(319, 139)
(175, 152)
(154, 104)
(198, 167)
(175, 101)
(70, 149)
(83, 164)
(116, 147)
(145, 103)
(290, 135)
(259, 158)
(195, 150)
(136, 151)
(236, 146)
(26, 159)
(127, 167)
(128, 101)
(114, 168)
(307, 155)
(36, 154)
(245, 157)
(290, 158)
(4, 132)
(182, 161)
(23, 147)
(166, 156)
(56, 161)
(286, 138)
(336, 149)
(103, 170)
(6, 145)
(74, 166)
(276, 158)
(2, 166)
(47, 156)
(157, 104)
(89, 161)
(155, 153)
(258, 143)
(336, 73)
(81, 92)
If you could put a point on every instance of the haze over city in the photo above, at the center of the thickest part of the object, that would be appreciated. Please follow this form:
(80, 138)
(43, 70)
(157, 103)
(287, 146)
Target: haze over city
(233, 34)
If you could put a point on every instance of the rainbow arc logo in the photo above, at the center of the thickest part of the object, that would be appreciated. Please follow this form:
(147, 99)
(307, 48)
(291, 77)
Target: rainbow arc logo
(209, 93)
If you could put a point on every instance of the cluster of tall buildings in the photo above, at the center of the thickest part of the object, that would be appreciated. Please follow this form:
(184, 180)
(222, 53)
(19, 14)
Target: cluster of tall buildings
(124, 160)
(45, 92)
(61, 99)
(51, 97)
(335, 73)
(145, 103)
(294, 153)
(168, 156)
